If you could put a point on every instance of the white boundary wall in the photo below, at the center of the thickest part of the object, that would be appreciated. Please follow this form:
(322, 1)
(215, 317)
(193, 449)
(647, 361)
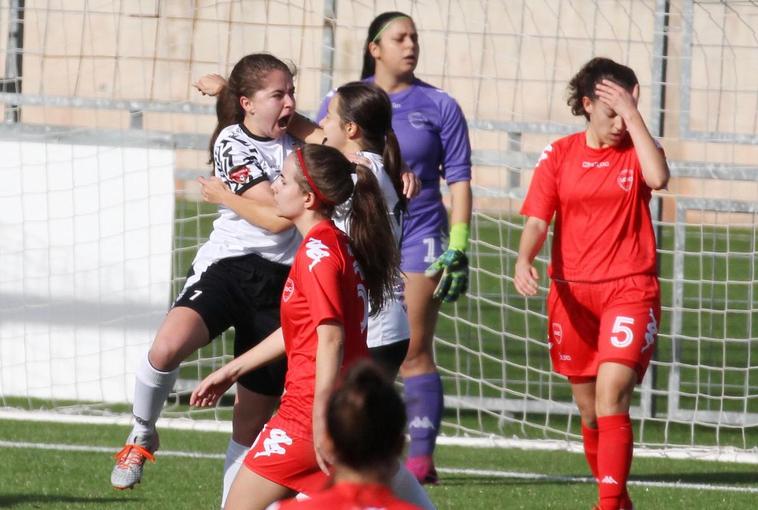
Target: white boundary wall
(85, 266)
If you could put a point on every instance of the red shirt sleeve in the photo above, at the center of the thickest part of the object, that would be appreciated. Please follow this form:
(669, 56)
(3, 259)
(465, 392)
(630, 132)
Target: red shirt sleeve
(320, 278)
(542, 198)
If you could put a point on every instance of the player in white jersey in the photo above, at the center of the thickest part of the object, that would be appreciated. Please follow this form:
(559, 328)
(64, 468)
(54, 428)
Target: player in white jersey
(359, 125)
(237, 275)
(359, 122)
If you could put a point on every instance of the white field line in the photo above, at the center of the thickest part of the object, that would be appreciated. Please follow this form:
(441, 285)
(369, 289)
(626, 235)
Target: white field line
(723, 454)
(584, 479)
(453, 471)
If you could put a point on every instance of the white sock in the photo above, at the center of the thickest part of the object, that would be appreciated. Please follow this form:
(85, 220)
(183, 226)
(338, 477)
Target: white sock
(406, 487)
(151, 389)
(235, 456)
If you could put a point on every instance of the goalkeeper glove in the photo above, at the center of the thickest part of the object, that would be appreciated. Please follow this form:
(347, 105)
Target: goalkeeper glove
(453, 264)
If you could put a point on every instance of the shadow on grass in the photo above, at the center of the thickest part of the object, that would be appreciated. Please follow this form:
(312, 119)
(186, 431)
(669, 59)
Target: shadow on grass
(746, 478)
(713, 478)
(484, 481)
(53, 501)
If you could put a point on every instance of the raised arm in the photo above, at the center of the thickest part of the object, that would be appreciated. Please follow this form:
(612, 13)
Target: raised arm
(255, 205)
(210, 84)
(305, 129)
(655, 171)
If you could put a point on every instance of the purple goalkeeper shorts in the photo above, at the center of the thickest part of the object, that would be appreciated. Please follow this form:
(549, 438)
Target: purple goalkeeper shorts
(425, 235)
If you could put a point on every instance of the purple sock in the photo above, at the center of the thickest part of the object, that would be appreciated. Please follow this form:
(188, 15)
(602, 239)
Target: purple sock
(423, 404)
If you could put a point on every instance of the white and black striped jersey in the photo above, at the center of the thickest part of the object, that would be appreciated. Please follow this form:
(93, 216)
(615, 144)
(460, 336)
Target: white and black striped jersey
(243, 160)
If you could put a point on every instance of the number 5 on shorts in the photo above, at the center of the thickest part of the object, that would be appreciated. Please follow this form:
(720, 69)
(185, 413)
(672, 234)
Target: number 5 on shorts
(621, 325)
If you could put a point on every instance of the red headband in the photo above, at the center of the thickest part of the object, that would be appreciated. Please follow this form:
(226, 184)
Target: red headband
(307, 176)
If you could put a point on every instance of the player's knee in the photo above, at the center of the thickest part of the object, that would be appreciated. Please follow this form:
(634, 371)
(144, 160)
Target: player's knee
(164, 354)
(612, 402)
(588, 415)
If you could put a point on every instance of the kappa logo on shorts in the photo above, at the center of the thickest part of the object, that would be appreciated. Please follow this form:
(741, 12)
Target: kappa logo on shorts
(316, 250)
(625, 179)
(289, 289)
(273, 443)
(557, 332)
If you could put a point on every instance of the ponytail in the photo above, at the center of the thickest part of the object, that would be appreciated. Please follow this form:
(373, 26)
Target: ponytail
(393, 165)
(228, 111)
(374, 245)
(371, 237)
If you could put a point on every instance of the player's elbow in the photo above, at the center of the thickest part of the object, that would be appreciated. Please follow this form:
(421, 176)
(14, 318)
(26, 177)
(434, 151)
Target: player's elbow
(537, 226)
(659, 181)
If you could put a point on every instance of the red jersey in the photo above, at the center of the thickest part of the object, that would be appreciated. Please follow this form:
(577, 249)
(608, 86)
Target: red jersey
(325, 283)
(350, 496)
(603, 228)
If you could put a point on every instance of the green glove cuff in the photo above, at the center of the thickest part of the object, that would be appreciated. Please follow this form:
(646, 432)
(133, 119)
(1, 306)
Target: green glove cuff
(459, 237)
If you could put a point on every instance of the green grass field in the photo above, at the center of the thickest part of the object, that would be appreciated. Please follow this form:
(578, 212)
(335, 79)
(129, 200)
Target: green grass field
(39, 474)
(491, 345)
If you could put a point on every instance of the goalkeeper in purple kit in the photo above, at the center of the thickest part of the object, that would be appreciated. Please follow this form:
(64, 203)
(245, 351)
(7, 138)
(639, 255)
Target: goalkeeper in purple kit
(433, 137)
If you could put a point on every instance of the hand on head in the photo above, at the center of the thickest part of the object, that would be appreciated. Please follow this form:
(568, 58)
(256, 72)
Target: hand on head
(617, 98)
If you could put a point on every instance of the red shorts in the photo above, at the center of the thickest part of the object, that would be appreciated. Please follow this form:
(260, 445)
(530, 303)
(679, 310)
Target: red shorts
(285, 459)
(591, 323)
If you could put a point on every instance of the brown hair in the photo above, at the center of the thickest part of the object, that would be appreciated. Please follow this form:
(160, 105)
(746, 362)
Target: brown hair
(247, 77)
(370, 108)
(365, 418)
(584, 82)
(371, 238)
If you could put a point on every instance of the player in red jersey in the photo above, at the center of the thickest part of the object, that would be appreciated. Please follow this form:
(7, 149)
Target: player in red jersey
(365, 435)
(604, 298)
(333, 283)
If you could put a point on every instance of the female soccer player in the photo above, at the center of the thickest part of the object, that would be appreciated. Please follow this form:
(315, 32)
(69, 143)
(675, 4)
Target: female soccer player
(433, 137)
(604, 298)
(359, 124)
(331, 286)
(237, 275)
(365, 425)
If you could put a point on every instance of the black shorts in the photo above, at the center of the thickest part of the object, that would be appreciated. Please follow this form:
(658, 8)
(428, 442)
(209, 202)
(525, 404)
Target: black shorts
(244, 292)
(390, 356)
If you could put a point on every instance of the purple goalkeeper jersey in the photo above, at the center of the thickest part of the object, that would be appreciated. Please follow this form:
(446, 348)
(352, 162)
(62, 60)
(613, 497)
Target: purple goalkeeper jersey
(433, 137)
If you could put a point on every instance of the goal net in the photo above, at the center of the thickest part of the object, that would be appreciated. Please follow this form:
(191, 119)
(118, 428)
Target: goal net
(104, 138)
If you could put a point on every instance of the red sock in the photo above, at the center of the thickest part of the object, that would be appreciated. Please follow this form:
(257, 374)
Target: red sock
(590, 437)
(614, 458)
